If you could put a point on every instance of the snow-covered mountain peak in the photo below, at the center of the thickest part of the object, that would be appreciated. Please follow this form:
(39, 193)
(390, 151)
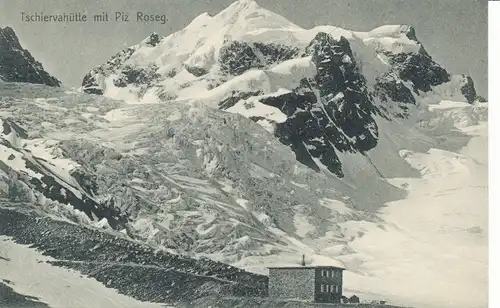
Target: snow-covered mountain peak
(173, 66)
(394, 31)
(248, 15)
(239, 8)
(249, 60)
(394, 39)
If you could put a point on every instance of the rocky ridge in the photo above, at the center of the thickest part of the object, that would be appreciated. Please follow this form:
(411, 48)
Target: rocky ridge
(18, 65)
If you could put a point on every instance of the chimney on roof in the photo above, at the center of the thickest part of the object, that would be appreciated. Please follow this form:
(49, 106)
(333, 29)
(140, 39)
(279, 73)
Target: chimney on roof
(303, 260)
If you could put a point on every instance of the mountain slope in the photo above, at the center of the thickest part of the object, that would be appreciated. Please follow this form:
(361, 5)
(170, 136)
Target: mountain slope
(24, 271)
(132, 268)
(18, 65)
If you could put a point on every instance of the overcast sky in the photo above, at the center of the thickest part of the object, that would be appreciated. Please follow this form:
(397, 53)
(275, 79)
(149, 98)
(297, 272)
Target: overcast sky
(454, 32)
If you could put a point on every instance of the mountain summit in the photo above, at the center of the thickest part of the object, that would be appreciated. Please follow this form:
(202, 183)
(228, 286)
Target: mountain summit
(18, 65)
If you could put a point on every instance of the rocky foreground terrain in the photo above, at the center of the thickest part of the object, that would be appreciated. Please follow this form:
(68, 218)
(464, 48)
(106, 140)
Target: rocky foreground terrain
(132, 268)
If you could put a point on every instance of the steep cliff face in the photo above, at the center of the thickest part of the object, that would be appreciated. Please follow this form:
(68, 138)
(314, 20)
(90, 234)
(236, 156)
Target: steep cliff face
(331, 111)
(18, 65)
